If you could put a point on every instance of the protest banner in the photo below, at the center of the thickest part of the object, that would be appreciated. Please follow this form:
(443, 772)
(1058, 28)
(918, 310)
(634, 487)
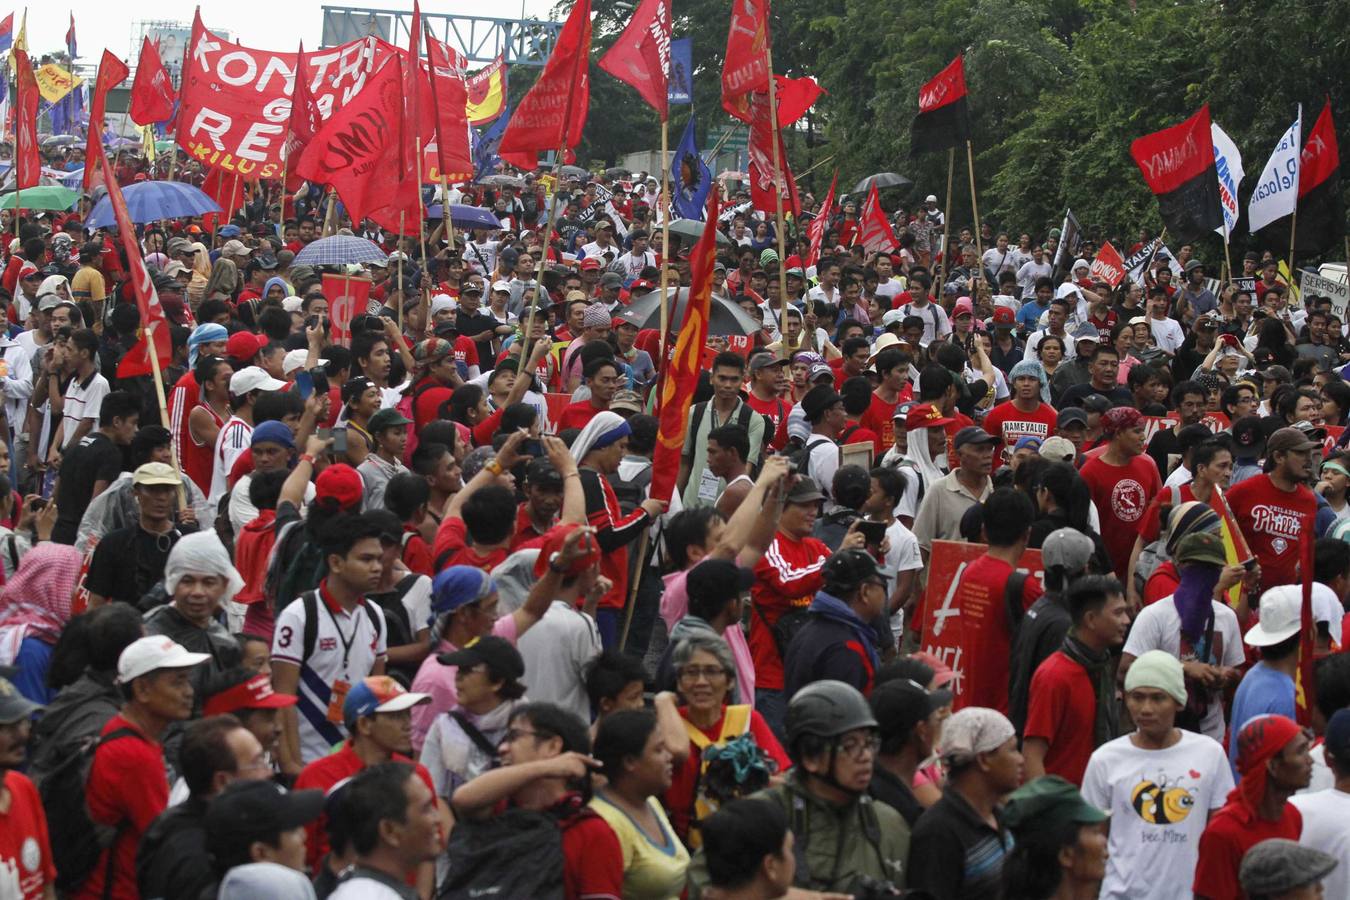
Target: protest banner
(1108, 266)
(486, 90)
(347, 297)
(943, 629)
(1338, 291)
(1247, 284)
(55, 82)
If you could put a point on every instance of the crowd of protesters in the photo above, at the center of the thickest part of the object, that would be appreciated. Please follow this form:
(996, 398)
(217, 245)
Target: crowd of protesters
(384, 607)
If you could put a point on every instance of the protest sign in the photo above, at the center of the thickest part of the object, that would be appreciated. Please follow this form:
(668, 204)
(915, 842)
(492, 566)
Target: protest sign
(1338, 291)
(55, 82)
(943, 628)
(346, 297)
(1245, 284)
(1108, 266)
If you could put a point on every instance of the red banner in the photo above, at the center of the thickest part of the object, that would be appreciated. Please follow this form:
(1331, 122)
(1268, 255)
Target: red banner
(552, 114)
(152, 92)
(1171, 157)
(640, 57)
(111, 72)
(816, 230)
(746, 70)
(347, 297)
(27, 158)
(943, 628)
(236, 101)
(154, 327)
(680, 379)
(763, 177)
(453, 161)
(305, 119)
(874, 232)
(1109, 266)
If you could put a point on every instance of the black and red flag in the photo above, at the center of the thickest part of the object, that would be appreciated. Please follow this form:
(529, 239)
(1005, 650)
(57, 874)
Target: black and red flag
(1321, 214)
(1178, 164)
(943, 120)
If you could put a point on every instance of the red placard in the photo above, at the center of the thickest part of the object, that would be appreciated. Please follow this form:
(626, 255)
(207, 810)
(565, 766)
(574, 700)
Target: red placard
(1108, 266)
(346, 297)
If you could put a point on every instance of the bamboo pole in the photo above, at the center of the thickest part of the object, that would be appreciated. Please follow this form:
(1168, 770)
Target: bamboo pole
(401, 216)
(665, 243)
(424, 301)
(1293, 232)
(632, 591)
(975, 210)
(548, 243)
(1227, 261)
(281, 199)
(447, 222)
(934, 290)
(777, 192)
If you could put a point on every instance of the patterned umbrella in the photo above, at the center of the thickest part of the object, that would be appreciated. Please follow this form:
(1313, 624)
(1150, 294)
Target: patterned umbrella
(150, 201)
(340, 250)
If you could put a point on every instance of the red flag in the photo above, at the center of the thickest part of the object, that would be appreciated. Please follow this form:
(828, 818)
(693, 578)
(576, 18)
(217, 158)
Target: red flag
(305, 119)
(794, 97)
(1109, 266)
(27, 158)
(346, 297)
(1321, 214)
(152, 92)
(1178, 164)
(943, 120)
(154, 326)
(410, 163)
(227, 189)
(111, 72)
(816, 230)
(874, 230)
(763, 177)
(357, 149)
(70, 39)
(746, 69)
(1305, 694)
(449, 97)
(552, 114)
(679, 379)
(640, 57)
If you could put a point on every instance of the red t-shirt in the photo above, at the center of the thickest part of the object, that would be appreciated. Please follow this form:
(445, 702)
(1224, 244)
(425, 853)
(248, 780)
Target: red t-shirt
(1062, 710)
(1231, 832)
(1149, 526)
(25, 851)
(877, 418)
(252, 547)
(986, 635)
(577, 415)
(777, 409)
(126, 786)
(1122, 494)
(453, 538)
(1162, 583)
(1272, 521)
(416, 553)
(525, 531)
(465, 351)
(1011, 424)
(429, 396)
(787, 577)
(327, 771)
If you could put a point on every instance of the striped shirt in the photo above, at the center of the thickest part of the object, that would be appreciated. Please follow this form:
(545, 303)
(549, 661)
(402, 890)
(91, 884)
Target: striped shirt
(232, 441)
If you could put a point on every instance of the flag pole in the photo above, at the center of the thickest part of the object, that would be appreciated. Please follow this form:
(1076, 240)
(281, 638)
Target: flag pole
(777, 174)
(1293, 231)
(665, 243)
(163, 406)
(975, 210)
(1227, 260)
(402, 214)
(632, 591)
(285, 163)
(425, 291)
(934, 291)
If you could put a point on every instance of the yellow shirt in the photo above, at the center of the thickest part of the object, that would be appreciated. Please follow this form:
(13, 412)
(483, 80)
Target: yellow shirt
(87, 284)
(650, 872)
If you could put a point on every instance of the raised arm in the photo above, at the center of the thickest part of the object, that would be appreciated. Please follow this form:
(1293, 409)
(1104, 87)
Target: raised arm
(574, 498)
(752, 525)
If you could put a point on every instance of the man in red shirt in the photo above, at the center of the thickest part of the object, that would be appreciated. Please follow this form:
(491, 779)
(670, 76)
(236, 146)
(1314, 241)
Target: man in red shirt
(1071, 709)
(1273, 508)
(603, 378)
(1123, 482)
(768, 376)
(1024, 415)
(127, 787)
(1274, 764)
(786, 580)
(25, 851)
(892, 367)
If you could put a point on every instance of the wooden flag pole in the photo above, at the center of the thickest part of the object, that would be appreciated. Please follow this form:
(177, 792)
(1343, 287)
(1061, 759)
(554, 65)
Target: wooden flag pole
(632, 591)
(975, 210)
(777, 175)
(1227, 260)
(548, 244)
(665, 249)
(401, 255)
(424, 300)
(1293, 232)
(935, 290)
(163, 407)
(281, 199)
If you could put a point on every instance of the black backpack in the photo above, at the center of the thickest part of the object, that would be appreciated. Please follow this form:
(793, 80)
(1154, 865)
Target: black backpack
(518, 853)
(311, 635)
(76, 840)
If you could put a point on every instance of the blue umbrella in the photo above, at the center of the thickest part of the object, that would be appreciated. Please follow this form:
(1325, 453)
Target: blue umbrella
(466, 216)
(150, 201)
(340, 250)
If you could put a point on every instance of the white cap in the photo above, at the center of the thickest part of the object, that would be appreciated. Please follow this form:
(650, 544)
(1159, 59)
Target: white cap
(500, 285)
(294, 359)
(234, 248)
(147, 654)
(441, 302)
(891, 316)
(931, 198)
(292, 304)
(1281, 616)
(253, 378)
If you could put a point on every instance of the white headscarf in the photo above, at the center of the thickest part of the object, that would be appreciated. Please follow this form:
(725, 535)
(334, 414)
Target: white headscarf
(916, 451)
(201, 554)
(600, 432)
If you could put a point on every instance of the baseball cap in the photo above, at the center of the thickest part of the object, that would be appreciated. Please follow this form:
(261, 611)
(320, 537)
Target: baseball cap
(148, 654)
(341, 483)
(1068, 548)
(1276, 866)
(931, 198)
(378, 694)
(156, 473)
(234, 248)
(387, 418)
(229, 231)
(719, 579)
(1058, 449)
(471, 287)
(821, 370)
(255, 693)
(627, 401)
(611, 280)
(892, 317)
(248, 811)
(294, 359)
(963, 307)
(1071, 415)
(498, 653)
(1281, 616)
(253, 378)
(355, 387)
(1096, 403)
(500, 285)
(1026, 441)
(457, 586)
(1200, 547)
(818, 400)
(1289, 439)
(1337, 738)
(804, 491)
(553, 543)
(847, 569)
(926, 415)
(244, 345)
(765, 360)
(1004, 316)
(972, 434)
(589, 263)
(1086, 332)
(539, 472)
(902, 703)
(14, 706)
(1047, 804)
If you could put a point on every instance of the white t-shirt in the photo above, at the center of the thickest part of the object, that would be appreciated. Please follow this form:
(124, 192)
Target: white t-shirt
(998, 261)
(364, 889)
(83, 401)
(935, 322)
(1159, 801)
(1326, 827)
(232, 441)
(823, 463)
(1029, 272)
(556, 651)
(903, 556)
(1158, 627)
(1167, 333)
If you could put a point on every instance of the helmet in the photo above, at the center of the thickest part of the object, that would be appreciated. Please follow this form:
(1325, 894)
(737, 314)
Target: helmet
(827, 709)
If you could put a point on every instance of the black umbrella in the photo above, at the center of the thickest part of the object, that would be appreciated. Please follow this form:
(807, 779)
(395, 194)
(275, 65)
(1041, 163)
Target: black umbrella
(725, 318)
(882, 180)
(690, 230)
(574, 172)
(618, 172)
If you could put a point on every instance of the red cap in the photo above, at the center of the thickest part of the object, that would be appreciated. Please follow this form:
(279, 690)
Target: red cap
(641, 284)
(925, 415)
(590, 263)
(793, 262)
(553, 543)
(256, 693)
(620, 322)
(244, 345)
(342, 483)
(1004, 316)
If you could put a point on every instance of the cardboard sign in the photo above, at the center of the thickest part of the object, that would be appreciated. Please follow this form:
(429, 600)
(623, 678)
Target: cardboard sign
(1108, 266)
(943, 630)
(347, 297)
(1246, 284)
(1338, 291)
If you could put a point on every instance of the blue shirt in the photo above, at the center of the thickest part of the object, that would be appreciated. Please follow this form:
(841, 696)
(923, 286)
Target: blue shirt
(1263, 690)
(1029, 316)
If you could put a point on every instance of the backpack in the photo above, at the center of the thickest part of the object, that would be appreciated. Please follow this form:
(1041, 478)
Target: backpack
(1154, 554)
(735, 722)
(801, 459)
(76, 840)
(785, 627)
(630, 494)
(1012, 599)
(298, 564)
(742, 419)
(311, 636)
(517, 853)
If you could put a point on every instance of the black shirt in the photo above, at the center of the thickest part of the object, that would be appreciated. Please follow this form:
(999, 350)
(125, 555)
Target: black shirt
(1075, 395)
(1040, 633)
(477, 323)
(96, 458)
(128, 562)
(954, 854)
(1162, 446)
(172, 860)
(893, 791)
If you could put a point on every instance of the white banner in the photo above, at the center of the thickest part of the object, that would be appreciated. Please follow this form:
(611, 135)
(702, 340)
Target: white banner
(1276, 193)
(1338, 291)
(1228, 163)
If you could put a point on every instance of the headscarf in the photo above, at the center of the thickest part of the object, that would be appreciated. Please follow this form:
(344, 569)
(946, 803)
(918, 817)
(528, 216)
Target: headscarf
(1118, 419)
(916, 452)
(52, 284)
(972, 731)
(273, 282)
(204, 334)
(1260, 739)
(201, 274)
(224, 279)
(600, 432)
(156, 260)
(201, 554)
(1031, 368)
(36, 602)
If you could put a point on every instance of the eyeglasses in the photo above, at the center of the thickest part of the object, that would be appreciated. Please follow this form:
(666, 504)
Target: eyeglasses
(708, 673)
(856, 745)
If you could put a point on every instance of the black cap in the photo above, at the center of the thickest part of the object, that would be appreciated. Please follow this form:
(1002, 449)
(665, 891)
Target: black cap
(819, 399)
(248, 811)
(901, 704)
(500, 656)
(1096, 403)
(447, 329)
(541, 473)
(1071, 415)
(1249, 435)
(718, 580)
(355, 387)
(847, 569)
(972, 434)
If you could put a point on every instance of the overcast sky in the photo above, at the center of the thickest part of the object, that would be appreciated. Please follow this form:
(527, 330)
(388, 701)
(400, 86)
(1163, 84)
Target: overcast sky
(265, 24)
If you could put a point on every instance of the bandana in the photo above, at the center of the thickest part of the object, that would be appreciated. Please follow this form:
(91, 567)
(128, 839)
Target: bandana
(1118, 419)
(204, 334)
(37, 600)
(1258, 741)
